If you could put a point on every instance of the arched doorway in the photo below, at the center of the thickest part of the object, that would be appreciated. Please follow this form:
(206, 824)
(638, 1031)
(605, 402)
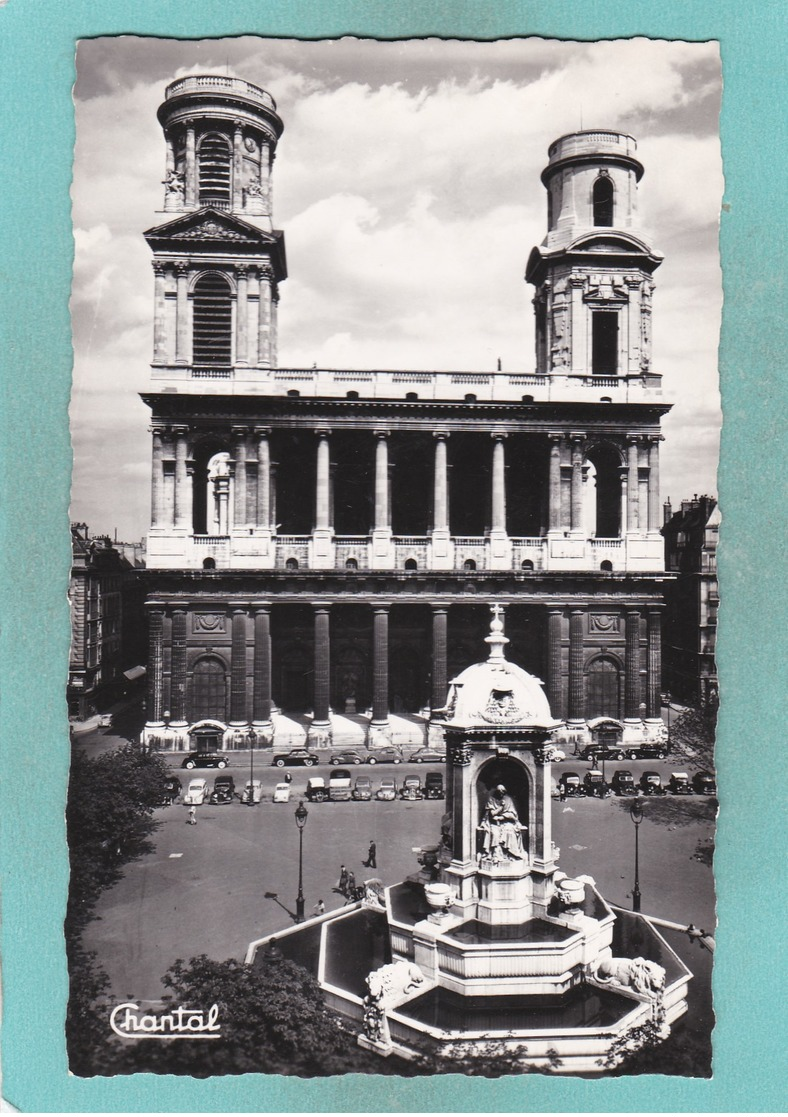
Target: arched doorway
(604, 508)
(603, 688)
(208, 690)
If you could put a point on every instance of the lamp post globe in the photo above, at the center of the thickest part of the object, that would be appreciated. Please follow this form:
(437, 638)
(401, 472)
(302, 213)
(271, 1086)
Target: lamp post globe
(636, 814)
(301, 815)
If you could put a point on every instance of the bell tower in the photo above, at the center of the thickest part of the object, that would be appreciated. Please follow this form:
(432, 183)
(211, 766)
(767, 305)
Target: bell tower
(593, 271)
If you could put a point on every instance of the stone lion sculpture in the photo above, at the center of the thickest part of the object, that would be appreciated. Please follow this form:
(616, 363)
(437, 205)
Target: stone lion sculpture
(393, 981)
(637, 974)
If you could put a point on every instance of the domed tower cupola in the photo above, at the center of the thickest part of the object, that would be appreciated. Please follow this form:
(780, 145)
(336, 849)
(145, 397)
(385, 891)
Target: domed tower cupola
(221, 135)
(593, 270)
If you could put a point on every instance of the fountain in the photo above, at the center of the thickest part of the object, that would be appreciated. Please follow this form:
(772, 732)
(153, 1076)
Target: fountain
(489, 941)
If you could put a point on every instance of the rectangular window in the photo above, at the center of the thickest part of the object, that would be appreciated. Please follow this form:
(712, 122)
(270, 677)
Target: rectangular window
(604, 342)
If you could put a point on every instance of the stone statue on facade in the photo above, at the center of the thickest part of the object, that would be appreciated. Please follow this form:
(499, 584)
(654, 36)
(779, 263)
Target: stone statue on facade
(174, 186)
(501, 827)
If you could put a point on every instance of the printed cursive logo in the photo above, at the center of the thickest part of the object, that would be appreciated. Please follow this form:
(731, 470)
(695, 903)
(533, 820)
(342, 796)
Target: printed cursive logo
(129, 1022)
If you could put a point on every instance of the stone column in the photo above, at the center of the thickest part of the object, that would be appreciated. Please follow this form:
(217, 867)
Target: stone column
(576, 497)
(440, 517)
(654, 666)
(576, 680)
(261, 690)
(440, 618)
(182, 315)
(498, 485)
(168, 480)
(242, 316)
(632, 672)
(159, 322)
(320, 730)
(264, 349)
(237, 194)
(623, 475)
(653, 483)
(157, 480)
(178, 681)
(263, 479)
(632, 365)
(379, 733)
(222, 486)
(191, 192)
(238, 668)
(554, 662)
(381, 481)
(183, 483)
(555, 521)
(239, 512)
(322, 482)
(155, 667)
(633, 484)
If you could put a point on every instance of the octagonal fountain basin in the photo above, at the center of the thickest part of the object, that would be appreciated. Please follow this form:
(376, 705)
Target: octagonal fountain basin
(532, 931)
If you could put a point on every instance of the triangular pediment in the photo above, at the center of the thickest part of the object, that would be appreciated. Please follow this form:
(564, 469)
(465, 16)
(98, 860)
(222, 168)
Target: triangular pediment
(210, 226)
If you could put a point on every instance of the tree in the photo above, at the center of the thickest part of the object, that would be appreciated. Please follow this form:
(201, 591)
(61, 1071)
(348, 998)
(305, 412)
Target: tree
(692, 734)
(273, 1020)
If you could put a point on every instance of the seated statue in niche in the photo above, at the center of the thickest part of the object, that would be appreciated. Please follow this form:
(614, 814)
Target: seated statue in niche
(501, 827)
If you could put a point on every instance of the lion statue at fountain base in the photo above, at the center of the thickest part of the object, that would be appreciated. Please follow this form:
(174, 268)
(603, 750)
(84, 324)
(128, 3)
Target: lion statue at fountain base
(638, 974)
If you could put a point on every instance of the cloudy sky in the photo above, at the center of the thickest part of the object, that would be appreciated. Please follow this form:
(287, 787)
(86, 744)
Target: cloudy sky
(407, 183)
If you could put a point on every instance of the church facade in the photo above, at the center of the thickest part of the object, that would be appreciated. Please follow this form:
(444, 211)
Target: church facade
(332, 539)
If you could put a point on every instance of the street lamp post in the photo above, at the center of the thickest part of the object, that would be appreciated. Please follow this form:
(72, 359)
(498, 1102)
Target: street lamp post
(301, 815)
(636, 814)
(250, 739)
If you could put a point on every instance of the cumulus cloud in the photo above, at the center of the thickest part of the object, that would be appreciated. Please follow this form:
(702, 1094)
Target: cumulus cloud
(407, 183)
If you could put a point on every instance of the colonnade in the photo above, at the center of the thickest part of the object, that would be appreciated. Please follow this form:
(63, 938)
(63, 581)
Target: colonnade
(251, 623)
(254, 481)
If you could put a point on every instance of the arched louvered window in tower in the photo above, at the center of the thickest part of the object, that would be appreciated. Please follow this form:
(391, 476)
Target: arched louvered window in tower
(213, 319)
(603, 202)
(214, 171)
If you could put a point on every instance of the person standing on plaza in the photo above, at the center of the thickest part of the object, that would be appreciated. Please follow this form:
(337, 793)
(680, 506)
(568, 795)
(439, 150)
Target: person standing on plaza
(192, 819)
(350, 886)
(319, 908)
(342, 882)
(372, 856)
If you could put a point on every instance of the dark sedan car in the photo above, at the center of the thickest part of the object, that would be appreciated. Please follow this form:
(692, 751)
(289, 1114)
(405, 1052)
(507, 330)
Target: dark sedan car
(386, 755)
(223, 790)
(347, 756)
(704, 783)
(623, 782)
(595, 753)
(296, 756)
(651, 784)
(427, 756)
(204, 760)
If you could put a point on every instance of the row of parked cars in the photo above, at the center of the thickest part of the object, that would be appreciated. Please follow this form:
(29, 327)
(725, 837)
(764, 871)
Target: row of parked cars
(338, 787)
(593, 784)
(306, 758)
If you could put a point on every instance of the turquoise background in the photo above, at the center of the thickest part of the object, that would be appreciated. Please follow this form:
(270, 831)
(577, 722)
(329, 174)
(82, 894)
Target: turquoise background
(37, 40)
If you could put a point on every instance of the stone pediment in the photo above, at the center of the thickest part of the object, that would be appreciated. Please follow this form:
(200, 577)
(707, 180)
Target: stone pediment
(210, 225)
(611, 242)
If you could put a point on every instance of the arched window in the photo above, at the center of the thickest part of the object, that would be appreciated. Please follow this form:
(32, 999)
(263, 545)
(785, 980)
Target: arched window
(527, 565)
(351, 564)
(607, 566)
(469, 564)
(411, 395)
(213, 321)
(411, 564)
(209, 564)
(291, 564)
(603, 202)
(208, 690)
(351, 395)
(214, 171)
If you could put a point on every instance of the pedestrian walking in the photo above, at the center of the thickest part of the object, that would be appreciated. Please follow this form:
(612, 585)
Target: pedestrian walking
(192, 815)
(319, 908)
(350, 887)
(342, 882)
(372, 856)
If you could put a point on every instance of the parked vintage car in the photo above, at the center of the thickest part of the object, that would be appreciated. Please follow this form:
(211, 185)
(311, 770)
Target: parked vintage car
(339, 789)
(316, 790)
(295, 756)
(553, 754)
(223, 790)
(362, 789)
(595, 753)
(433, 786)
(387, 790)
(570, 784)
(196, 793)
(704, 783)
(647, 752)
(347, 756)
(427, 755)
(651, 784)
(623, 782)
(411, 788)
(386, 755)
(252, 792)
(172, 789)
(594, 784)
(281, 793)
(679, 784)
(204, 760)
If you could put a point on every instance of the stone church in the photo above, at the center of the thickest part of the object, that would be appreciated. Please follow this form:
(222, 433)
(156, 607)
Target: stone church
(332, 539)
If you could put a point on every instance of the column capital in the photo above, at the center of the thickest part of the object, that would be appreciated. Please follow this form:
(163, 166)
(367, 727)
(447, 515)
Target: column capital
(556, 611)
(556, 436)
(655, 438)
(188, 121)
(381, 608)
(439, 608)
(498, 435)
(578, 436)
(239, 431)
(237, 610)
(322, 431)
(440, 434)
(633, 611)
(261, 607)
(242, 270)
(159, 267)
(180, 429)
(238, 125)
(320, 606)
(262, 432)
(576, 280)
(158, 430)
(379, 433)
(576, 612)
(633, 280)
(633, 439)
(182, 267)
